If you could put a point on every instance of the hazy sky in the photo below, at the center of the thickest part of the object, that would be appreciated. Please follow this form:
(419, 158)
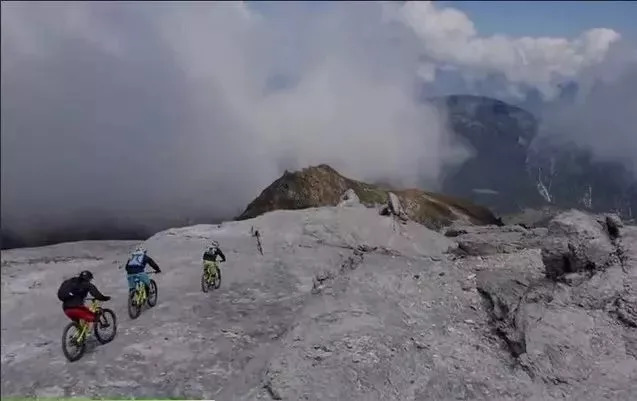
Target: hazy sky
(549, 18)
(142, 111)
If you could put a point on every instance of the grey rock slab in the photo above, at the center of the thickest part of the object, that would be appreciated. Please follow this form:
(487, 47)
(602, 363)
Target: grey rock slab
(332, 310)
(577, 243)
(489, 240)
(563, 333)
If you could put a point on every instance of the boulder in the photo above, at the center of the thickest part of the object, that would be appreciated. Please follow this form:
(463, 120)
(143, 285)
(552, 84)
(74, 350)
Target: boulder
(349, 198)
(394, 207)
(577, 242)
(613, 225)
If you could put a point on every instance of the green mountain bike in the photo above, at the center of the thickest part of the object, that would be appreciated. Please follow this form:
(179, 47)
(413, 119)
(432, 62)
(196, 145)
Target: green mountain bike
(77, 332)
(211, 276)
(140, 295)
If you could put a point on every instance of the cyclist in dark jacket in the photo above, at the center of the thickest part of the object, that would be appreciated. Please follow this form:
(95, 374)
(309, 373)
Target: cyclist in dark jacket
(213, 252)
(77, 289)
(210, 257)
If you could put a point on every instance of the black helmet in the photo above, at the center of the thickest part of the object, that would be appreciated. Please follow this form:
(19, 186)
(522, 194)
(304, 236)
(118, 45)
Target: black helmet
(86, 275)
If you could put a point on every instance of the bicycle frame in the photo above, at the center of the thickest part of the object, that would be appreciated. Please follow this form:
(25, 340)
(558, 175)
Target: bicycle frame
(85, 326)
(140, 290)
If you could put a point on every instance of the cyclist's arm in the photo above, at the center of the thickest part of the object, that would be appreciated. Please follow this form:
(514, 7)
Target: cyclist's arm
(96, 293)
(152, 264)
(221, 255)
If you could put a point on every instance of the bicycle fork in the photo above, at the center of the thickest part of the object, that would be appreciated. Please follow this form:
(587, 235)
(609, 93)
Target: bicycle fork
(141, 293)
(84, 329)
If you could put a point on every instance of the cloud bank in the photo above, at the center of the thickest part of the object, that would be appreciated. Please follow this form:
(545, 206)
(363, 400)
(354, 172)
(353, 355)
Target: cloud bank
(450, 40)
(602, 115)
(145, 114)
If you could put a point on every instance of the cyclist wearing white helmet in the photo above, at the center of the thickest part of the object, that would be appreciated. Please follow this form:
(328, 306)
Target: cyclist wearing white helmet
(213, 252)
(210, 257)
(136, 265)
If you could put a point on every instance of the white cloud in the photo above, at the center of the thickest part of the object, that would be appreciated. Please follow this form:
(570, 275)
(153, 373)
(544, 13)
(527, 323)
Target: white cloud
(98, 97)
(603, 115)
(175, 97)
(448, 36)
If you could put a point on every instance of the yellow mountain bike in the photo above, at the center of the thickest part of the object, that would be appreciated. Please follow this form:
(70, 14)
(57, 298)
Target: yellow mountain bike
(139, 296)
(211, 276)
(77, 332)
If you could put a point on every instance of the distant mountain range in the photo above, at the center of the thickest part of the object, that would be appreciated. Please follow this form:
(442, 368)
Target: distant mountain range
(514, 168)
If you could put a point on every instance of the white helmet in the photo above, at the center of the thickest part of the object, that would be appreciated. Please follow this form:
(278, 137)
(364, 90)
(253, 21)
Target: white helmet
(140, 249)
(214, 244)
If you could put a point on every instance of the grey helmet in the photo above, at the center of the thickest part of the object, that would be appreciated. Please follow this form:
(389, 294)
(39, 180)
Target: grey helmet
(213, 246)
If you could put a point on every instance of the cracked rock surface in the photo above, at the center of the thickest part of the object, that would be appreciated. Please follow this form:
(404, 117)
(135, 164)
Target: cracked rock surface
(569, 321)
(342, 305)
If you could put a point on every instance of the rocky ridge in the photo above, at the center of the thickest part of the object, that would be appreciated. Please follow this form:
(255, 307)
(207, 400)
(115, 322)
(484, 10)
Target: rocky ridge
(323, 186)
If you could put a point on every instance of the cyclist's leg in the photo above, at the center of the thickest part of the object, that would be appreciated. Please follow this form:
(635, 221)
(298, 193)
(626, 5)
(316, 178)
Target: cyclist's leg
(212, 269)
(80, 313)
(215, 269)
(131, 281)
(208, 266)
(145, 279)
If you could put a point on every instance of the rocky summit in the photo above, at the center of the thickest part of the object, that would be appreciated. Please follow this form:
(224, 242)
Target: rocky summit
(343, 303)
(323, 186)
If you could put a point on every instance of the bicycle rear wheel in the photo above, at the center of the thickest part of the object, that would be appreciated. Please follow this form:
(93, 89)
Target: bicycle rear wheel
(70, 347)
(134, 309)
(105, 320)
(152, 293)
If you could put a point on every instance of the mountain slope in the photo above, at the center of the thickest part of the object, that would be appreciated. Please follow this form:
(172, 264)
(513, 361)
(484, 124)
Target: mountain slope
(514, 168)
(500, 135)
(323, 186)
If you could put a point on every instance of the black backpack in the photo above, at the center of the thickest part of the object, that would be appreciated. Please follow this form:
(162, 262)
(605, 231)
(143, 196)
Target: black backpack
(65, 292)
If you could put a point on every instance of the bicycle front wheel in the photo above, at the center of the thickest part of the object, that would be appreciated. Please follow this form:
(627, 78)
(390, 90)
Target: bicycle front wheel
(105, 326)
(134, 309)
(217, 283)
(205, 286)
(152, 293)
(71, 347)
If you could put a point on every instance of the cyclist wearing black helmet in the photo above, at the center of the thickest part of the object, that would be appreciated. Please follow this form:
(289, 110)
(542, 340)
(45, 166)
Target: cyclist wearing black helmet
(72, 293)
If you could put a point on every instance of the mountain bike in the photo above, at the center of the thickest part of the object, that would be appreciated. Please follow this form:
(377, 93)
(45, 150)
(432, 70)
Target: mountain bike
(211, 276)
(139, 296)
(77, 332)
